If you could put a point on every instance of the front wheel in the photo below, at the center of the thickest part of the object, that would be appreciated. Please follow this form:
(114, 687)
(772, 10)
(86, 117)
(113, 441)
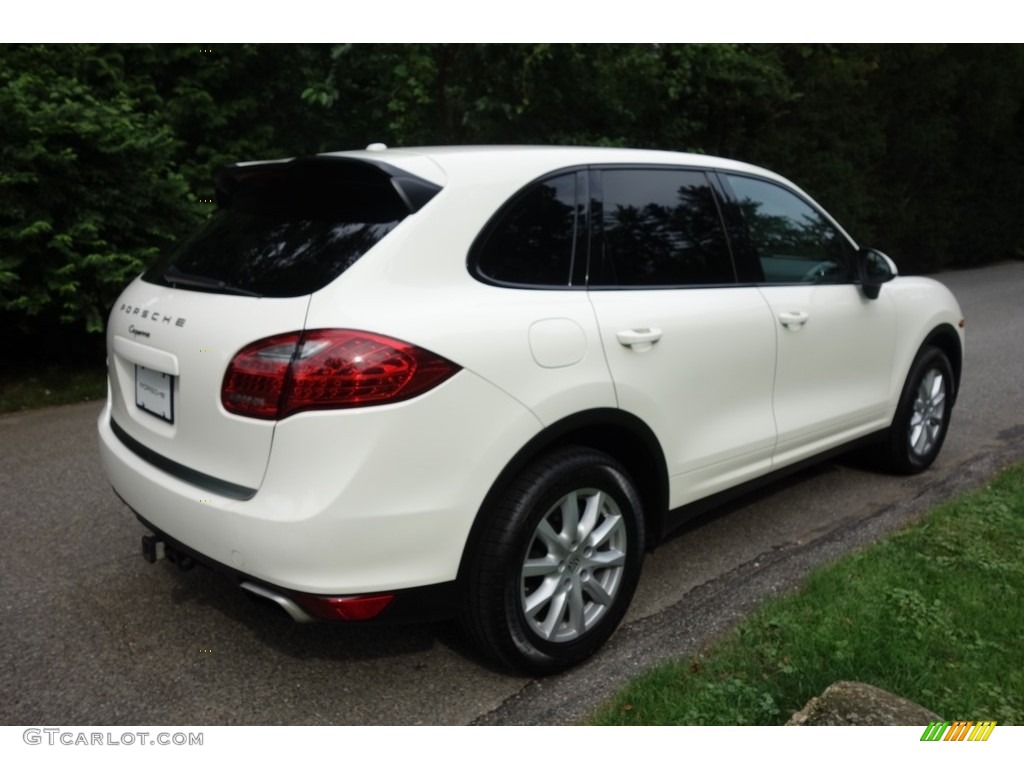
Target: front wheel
(557, 564)
(922, 417)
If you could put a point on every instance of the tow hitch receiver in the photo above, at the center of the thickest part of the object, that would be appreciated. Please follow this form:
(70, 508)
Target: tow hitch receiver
(153, 549)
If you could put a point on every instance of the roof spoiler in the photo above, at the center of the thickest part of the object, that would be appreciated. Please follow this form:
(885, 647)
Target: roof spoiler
(412, 191)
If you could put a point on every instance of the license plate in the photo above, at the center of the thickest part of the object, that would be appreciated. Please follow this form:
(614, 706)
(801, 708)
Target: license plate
(154, 392)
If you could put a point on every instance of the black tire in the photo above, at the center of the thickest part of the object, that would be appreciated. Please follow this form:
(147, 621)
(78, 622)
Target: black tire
(537, 598)
(922, 417)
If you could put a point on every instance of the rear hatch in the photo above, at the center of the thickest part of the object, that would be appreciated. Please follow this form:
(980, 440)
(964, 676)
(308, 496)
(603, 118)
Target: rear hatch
(283, 231)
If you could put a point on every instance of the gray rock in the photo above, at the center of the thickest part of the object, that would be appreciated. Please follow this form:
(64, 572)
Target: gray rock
(848, 703)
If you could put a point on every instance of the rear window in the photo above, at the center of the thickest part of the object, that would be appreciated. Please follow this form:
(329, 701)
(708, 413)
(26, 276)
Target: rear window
(288, 229)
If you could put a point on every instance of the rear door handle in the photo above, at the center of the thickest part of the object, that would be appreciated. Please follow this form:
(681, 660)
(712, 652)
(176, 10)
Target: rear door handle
(639, 339)
(793, 320)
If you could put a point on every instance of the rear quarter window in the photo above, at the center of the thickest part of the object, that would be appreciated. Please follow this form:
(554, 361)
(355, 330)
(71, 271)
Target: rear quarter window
(532, 241)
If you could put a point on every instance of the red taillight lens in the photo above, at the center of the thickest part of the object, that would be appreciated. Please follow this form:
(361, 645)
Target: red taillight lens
(255, 378)
(281, 375)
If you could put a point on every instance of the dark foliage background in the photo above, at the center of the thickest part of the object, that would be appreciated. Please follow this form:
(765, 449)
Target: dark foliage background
(106, 150)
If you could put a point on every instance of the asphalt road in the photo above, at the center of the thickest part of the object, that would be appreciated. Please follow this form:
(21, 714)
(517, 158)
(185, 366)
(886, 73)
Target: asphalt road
(93, 635)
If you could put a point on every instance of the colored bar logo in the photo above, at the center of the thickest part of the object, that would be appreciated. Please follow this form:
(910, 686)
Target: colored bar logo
(959, 730)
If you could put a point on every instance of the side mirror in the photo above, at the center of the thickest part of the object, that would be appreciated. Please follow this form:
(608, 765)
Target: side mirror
(873, 269)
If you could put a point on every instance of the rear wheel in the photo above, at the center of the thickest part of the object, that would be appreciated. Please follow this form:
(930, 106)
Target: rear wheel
(922, 417)
(557, 563)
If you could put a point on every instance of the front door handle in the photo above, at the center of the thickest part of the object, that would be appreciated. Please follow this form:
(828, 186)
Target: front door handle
(793, 320)
(639, 339)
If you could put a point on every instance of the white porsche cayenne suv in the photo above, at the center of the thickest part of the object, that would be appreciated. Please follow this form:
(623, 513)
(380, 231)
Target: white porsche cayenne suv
(480, 382)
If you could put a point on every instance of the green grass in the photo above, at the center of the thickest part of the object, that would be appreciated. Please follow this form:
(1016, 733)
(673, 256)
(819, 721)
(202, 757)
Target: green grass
(935, 614)
(40, 387)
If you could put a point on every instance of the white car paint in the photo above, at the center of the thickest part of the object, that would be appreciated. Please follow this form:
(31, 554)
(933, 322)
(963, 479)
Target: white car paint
(733, 382)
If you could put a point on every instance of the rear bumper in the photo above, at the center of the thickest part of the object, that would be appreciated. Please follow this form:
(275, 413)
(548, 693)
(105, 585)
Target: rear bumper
(357, 502)
(434, 602)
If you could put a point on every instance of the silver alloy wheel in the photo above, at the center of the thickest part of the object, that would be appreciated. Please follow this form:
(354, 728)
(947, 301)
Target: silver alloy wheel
(926, 422)
(574, 565)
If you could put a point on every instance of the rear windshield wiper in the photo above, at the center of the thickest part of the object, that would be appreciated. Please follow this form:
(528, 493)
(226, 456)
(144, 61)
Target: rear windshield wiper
(176, 277)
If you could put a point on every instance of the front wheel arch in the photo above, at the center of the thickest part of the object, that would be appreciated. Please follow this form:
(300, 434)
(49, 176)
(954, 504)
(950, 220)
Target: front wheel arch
(946, 338)
(921, 421)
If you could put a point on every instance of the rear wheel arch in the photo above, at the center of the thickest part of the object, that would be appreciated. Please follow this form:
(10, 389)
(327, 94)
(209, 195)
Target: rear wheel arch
(616, 433)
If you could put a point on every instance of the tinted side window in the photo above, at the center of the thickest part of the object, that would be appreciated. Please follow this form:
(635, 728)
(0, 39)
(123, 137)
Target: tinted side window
(533, 240)
(661, 227)
(794, 243)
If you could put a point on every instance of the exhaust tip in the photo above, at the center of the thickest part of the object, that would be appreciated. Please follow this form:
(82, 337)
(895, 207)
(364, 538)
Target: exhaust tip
(305, 608)
(290, 606)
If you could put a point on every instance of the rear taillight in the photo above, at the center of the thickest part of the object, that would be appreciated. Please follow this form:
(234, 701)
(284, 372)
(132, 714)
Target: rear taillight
(281, 375)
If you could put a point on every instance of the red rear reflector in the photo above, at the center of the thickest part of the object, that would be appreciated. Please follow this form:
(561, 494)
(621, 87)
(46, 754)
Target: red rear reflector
(344, 608)
(281, 375)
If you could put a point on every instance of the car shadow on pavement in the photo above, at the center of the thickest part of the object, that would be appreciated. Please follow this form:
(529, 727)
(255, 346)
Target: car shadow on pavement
(328, 641)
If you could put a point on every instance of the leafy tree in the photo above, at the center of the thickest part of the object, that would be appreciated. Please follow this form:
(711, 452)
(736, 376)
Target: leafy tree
(88, 187)
(106, 151)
